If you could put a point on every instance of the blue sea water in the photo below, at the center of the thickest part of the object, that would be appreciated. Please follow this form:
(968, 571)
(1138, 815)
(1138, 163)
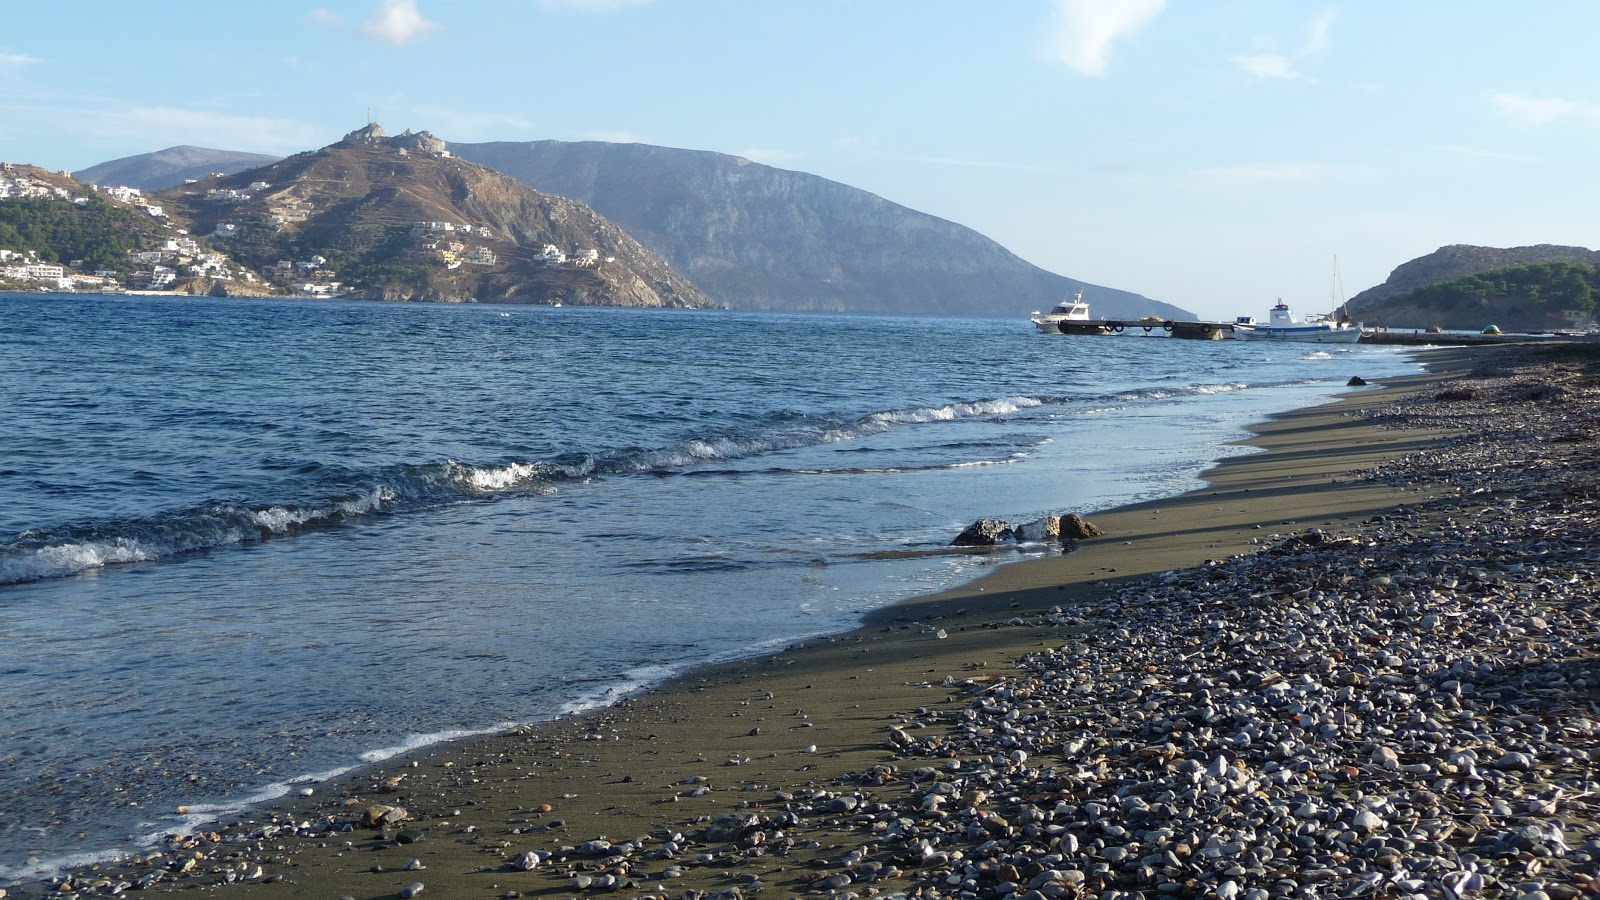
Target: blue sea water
(246, 543)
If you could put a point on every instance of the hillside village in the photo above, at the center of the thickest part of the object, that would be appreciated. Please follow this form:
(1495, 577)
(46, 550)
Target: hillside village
(163, 255)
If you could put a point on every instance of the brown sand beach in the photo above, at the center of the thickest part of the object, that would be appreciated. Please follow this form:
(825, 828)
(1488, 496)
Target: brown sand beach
(1359, 662)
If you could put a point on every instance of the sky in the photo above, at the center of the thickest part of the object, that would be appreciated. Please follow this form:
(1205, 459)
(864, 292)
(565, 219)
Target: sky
(1215, 155)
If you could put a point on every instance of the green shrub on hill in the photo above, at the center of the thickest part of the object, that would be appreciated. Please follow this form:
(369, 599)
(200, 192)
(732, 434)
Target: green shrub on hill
(1533, 295)
(98, 233)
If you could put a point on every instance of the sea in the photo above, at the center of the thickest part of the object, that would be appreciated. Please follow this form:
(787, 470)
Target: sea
(250, 545)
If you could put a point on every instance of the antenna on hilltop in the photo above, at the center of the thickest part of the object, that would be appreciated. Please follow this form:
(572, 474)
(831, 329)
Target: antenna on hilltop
(369, 115)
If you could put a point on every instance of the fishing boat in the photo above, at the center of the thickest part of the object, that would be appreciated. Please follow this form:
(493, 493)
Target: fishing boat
(1281, 325)
(1070, 316)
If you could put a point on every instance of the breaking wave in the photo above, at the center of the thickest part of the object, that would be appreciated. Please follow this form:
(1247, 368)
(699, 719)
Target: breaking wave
(59, 551)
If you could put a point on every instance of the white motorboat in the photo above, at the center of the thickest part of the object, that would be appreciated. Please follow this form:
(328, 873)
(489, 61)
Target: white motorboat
(1070, 316)
(1281, 325)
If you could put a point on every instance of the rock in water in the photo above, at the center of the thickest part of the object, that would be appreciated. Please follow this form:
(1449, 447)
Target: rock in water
(984, 533)
(1043, 529)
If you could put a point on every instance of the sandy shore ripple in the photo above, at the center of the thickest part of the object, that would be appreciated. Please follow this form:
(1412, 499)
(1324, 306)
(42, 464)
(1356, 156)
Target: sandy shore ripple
(1359, 663)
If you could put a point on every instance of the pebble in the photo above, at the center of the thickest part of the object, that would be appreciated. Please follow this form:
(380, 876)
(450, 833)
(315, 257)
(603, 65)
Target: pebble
(1403, 708)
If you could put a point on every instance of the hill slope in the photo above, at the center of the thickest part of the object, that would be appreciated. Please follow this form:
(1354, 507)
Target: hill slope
(1456, 261)
(754, 236)
(1462, 287)
(399, 218)
(172, 166)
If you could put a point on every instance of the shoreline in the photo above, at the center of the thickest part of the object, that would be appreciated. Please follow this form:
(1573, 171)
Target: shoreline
(759, 733)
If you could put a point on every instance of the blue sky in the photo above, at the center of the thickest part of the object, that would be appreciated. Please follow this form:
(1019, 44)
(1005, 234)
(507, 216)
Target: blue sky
(1215, 155)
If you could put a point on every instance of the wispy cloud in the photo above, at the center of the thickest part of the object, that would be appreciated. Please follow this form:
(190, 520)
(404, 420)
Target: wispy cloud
(464, 125)
(962, 162)
(1266, 65)
(1285, 66)
(1536, 111)
(1474, 156)
(1084, 30)
(1318, 41)
(1256, 174)
(325, 17)
(12, 61)
(152, 126)
(398, 22)
(589, 6)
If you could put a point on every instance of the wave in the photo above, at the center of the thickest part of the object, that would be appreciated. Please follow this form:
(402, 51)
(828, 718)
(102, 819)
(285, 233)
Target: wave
(333, 501)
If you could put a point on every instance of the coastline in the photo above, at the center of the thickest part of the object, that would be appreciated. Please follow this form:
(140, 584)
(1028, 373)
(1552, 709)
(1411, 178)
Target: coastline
(763, 734)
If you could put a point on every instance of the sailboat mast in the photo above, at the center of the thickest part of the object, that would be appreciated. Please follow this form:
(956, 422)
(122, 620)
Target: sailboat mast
(1336, 290)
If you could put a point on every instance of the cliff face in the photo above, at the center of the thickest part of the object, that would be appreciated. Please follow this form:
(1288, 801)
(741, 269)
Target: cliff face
(400, 218)
(754, 236)
(1457, 261)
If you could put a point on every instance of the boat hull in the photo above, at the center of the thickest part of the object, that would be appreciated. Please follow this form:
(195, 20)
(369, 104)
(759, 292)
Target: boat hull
(1083, 328)
(1313, 334)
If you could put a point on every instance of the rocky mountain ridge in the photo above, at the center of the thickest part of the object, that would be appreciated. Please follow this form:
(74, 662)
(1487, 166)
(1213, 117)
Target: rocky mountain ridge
(754, 236)
(172, 166)
(401, 218)
(1456, 261)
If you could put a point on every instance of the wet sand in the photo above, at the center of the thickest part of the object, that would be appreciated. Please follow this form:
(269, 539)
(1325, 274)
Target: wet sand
(766, 735)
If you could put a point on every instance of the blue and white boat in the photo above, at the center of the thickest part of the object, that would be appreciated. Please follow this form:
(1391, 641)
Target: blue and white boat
(1281, 325)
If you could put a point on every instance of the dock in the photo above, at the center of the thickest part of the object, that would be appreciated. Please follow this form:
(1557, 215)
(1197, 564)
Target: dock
(1194, 331)
(1215, 331)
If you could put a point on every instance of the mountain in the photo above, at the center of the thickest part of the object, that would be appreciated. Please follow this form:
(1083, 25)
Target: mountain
(1457, 261)
(754, 236)
(401, 218)
(172, 166)
(1462, 287)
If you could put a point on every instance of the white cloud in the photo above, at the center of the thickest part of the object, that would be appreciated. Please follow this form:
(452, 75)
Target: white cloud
(589, 6)
(1284, 66)
(10, 61)
(1475, 155)
(165, 125)
(1317, 42)
(1256, 174)
(1266, 65)
(1086, 29)
(1536, 111)
(398, 22)
(464, 125)
(962, 162)
(325, 17)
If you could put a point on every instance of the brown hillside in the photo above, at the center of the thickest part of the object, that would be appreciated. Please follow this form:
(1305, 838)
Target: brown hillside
(364, 205)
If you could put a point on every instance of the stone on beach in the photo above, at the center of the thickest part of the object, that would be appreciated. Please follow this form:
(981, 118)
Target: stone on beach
(984, 533)
(1400, 709)
(988, 531)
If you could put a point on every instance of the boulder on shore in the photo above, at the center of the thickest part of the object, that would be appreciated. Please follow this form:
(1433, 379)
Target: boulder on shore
(984, 533)
(1075, 528)
(1045, 529)
(987, 532)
